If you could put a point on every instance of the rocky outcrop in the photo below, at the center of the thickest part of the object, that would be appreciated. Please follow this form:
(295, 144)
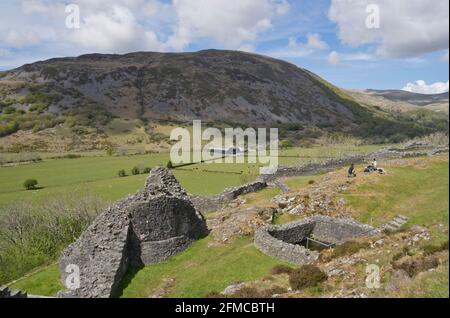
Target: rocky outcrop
(148, 227)
(283, 242)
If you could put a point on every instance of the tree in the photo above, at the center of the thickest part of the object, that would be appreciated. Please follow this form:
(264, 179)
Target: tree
(147, 170)
(30, 184)
(122, 173)
(135, 171)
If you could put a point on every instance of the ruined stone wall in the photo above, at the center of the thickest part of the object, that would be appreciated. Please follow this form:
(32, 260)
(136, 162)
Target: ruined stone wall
(210, 204)
(278, 242)
(338, 231)
(282, 241)
(148, 227)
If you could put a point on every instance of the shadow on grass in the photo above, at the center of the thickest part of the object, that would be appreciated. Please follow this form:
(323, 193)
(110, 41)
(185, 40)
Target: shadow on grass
(127, 279)
(34, 189)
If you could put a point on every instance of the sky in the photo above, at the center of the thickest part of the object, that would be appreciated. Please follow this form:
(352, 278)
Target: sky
(354, 44)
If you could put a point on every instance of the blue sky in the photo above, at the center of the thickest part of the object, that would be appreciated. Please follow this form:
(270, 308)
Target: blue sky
(406, 42)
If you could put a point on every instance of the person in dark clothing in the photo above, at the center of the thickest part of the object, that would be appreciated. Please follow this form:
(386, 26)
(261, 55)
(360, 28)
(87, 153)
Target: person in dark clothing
(351, 171)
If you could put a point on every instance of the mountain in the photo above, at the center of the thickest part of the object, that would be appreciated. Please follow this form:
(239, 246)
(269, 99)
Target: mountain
(229, 87)
(212, 85)
(402, 100)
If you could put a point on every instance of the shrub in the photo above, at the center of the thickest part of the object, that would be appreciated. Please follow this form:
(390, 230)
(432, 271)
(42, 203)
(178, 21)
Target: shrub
(72, 156)
(348, 248)
(8, 128)
(135, 171)
(9, 110)
(306, 276)
(30, 184)
(281, 269)
(146, 170)
(431, 249)
(311, 182)
(122, 173)
(34, 234)
(414, 265)
(169, 165)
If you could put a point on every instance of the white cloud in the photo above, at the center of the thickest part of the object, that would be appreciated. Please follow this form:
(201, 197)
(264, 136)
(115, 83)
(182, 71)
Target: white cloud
(247, 48)
(35, 6)
(315, 42)
(114, 30)
(295, 49)
(334, 58)
(230, 23)
(128, 25)
(422, 87)
(408, 28)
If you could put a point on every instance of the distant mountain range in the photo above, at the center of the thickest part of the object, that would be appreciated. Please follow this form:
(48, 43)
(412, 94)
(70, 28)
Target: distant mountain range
(402, 100)
(215, 86)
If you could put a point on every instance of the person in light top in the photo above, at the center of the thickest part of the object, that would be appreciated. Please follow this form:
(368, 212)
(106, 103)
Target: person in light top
(374, 164)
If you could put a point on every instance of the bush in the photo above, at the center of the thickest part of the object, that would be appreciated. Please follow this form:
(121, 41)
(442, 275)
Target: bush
(122, 173)
(431, 249)
(32, 234)
(281, 269)
(72, 156)
(169, 165)
(135, 171)
(30, 184)
(147, 170)
(306, 276)
(311, 182)
(348, 248)
(414, 265)
(8, 128)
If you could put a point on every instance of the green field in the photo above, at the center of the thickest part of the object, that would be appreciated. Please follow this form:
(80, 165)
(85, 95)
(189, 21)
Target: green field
(419, 192)
(98, 174)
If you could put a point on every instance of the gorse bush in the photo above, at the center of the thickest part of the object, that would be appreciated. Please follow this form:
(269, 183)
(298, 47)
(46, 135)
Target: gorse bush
(35, 235)
(135, 171)
(306, 276)
(30, 184)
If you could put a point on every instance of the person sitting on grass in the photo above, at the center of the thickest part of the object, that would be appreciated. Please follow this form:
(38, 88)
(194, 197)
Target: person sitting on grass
(372, 167)
(351, 171)
(374, 164)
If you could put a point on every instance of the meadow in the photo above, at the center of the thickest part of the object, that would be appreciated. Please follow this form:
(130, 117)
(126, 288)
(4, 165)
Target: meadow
(97, 173)
(418, 190)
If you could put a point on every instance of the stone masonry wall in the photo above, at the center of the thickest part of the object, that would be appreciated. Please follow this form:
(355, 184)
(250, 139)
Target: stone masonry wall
(209, 204)
(148, 227)
(282, 241)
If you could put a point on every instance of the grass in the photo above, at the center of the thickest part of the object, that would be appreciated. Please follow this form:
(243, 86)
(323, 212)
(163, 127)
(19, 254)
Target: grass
(220, 266)
(98, 174)
(418, 192)
(44, 282)
(201, 269)
(298, 183)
